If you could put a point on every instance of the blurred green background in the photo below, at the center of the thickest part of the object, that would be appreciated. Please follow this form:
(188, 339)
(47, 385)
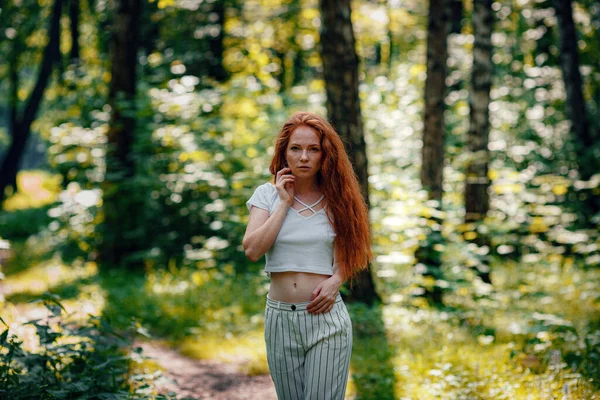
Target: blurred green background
(146, 244)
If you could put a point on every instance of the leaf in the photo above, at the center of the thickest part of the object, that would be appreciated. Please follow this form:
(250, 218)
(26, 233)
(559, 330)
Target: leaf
(61, 394)
(3, 337)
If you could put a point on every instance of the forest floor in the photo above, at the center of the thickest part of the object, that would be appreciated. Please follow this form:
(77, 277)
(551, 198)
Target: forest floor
(205, 379)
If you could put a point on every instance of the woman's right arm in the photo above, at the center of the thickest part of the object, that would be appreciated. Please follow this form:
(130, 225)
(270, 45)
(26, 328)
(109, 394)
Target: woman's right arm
(262, 230)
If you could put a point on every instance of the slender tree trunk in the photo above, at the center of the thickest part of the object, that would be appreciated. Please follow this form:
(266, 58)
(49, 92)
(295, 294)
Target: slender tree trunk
(586, 139)
(14, 126)
(390, 38)
(281, 74)
(287, 50)
(298, 66)
(118, 195)
(433, 138)
(435, 90)
(215, 44)
(123, 85)
(596, 22)
(576, 107)
(340, 69)
(477, 181)
(74, 18)
(456, 11)
(298, 55)
(21, 127)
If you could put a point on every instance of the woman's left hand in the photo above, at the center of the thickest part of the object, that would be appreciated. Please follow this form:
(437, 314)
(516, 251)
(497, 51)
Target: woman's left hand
(324, 295)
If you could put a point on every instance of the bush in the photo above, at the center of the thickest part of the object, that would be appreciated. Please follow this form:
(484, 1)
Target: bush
(74, 361)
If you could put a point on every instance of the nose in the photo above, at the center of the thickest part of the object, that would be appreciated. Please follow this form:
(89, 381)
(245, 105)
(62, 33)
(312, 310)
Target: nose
(304, 155)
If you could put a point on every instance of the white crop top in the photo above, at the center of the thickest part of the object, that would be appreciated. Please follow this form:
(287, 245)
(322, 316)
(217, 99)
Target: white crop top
(303, 244)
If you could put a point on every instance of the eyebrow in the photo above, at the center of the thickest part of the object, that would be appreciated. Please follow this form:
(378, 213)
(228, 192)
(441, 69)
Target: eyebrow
(312, 144)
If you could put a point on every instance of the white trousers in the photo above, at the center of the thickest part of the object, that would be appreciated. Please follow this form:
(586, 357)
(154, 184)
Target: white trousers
(308, 354)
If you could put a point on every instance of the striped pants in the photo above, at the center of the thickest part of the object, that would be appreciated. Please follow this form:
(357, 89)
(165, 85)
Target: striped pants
(308, 354)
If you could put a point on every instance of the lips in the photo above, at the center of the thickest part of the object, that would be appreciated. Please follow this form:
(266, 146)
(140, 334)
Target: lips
(304, 167)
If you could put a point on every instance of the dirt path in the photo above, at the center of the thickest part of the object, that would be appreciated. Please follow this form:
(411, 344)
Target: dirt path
(206, 379)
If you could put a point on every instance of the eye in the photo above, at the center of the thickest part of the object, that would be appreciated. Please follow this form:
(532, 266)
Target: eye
(315, 149)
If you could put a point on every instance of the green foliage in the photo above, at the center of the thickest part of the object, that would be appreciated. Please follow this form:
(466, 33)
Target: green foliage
(373, 369)
(73, 360)
(20, 224)
(201, 147)
(185, 302)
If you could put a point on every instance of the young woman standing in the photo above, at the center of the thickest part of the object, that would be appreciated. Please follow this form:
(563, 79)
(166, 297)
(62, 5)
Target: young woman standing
(312, 225)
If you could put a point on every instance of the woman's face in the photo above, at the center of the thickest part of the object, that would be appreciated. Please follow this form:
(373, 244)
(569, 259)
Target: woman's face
(304, 150)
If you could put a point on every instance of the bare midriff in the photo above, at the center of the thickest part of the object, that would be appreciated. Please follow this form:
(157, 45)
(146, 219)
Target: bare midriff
(294, 287)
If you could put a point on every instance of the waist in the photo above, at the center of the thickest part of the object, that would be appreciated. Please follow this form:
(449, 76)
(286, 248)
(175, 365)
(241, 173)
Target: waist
(293, 306)
(294, 286)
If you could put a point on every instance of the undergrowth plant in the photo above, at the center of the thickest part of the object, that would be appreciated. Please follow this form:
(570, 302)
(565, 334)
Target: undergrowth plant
(74, 360)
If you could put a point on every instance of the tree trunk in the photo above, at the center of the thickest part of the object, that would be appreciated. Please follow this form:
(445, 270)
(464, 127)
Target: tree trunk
(586, 139)
(74, 18)
(215, 44)
(14, 127)
(477, 181)
(435, 89)
(456, 12)
(596, 23)
(118, 195)
(390, 38)
(433, 138)
(21, 127)
(340, 69)
(575, 107)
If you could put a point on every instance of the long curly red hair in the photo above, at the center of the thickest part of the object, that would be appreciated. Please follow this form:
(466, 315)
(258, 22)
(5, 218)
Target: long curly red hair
(348, 211)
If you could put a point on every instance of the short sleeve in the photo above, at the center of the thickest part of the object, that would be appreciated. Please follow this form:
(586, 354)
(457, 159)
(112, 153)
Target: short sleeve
(260, 198)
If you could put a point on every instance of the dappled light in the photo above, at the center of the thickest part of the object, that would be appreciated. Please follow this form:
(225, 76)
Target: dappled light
(121, 229)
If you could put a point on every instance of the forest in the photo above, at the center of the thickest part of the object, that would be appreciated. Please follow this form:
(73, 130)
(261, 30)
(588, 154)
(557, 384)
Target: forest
(132, 133)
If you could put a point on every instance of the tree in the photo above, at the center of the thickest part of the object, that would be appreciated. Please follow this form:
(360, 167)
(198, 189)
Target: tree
(432, 167)
(286, 47)
(74, 23)
(477, 181)
(340, 70)
(118, 194)
(215, 43)
(456, 12)
(588, 150)
(20, 124)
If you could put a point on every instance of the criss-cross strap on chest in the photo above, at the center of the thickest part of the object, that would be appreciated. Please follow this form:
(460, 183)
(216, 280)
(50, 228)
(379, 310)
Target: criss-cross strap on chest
(306, 206)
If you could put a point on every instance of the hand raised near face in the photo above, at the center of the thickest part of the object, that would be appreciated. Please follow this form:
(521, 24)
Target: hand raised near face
(285, 185)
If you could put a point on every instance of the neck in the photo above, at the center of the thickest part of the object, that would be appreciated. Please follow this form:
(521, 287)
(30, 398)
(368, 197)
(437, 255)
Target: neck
(305, 186)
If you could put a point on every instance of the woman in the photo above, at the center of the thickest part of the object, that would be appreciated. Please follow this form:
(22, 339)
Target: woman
(312, 226)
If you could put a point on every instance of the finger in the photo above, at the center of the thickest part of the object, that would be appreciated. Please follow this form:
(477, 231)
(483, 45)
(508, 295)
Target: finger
(286, 179)
(313, 303)
(287, 176)
(317, 304)
(327, 302)
(284, 170)
(315, 293)
(285, 184)
(325, 308)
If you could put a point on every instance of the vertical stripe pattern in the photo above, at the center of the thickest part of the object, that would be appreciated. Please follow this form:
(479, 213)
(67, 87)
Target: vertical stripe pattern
(308, 355)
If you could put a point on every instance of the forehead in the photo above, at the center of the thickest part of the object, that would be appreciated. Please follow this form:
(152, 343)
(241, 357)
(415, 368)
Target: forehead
(304, 135)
